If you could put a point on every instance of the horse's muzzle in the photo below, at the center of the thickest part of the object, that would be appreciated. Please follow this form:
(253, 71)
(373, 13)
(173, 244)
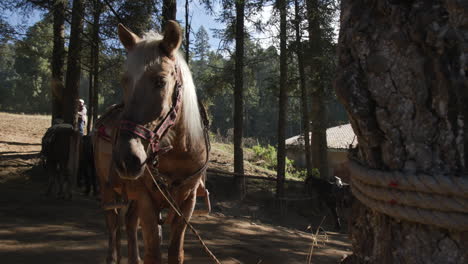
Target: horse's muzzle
(129, 161)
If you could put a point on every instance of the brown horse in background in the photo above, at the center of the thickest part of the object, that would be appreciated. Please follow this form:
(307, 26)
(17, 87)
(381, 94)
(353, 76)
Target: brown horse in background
(59, 147)
(160, 130)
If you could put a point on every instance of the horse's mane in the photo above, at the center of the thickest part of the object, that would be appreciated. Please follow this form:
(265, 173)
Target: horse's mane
(191, 114)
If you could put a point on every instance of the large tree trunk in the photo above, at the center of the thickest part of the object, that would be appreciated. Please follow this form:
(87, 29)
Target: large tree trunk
(169, 11)
(94, 87)
(319, 129)
(305, 108)
(72, 83)
(283, 103)
(239, 100)
(402, 78)
(58, 59)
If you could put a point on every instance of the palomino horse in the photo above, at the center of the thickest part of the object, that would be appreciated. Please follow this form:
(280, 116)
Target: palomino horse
(160, 130)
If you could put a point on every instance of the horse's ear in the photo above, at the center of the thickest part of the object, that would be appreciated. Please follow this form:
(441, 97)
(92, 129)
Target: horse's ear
(172, 38)
(128, 38)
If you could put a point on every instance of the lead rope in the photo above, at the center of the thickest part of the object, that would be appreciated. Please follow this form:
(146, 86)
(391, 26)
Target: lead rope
(174, 206)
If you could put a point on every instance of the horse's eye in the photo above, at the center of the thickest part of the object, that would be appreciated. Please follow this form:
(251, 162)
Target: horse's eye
(159, 82)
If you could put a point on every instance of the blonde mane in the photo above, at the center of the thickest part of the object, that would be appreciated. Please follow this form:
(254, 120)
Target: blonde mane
(190, 112)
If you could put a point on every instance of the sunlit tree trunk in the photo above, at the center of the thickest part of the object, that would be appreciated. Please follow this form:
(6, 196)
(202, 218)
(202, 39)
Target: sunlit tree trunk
(58, 59)
(402, 77)
(302, 83)
(283, 103)
(72, 83)
(239, 100)
(318, 118)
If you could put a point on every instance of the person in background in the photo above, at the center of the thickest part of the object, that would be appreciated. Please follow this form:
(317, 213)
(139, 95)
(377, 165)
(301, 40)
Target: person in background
(82, 116)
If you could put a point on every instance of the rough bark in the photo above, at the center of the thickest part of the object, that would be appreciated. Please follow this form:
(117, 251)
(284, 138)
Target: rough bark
(72, 83)
(318, 113)
(283, 103)
(402, 76)
(169, 11)
(302, 83)
(58, 59)
(239, 99)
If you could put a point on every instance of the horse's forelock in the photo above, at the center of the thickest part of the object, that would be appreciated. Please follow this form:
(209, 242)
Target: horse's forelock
(146, 53)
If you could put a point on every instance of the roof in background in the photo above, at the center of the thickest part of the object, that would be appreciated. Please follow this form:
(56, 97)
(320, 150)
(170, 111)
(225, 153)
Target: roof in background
(339, 137)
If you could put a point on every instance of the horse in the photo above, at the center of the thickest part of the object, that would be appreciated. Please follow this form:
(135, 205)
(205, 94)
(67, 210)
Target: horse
(156, 138)
(58, 146)
(86, 170)
(333, 196)
(102, 151)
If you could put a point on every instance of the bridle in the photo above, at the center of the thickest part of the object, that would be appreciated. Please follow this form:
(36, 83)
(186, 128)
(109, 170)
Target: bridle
(154, 136)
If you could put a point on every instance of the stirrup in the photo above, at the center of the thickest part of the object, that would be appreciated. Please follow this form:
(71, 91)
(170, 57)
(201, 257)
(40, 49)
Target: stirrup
(206, 194)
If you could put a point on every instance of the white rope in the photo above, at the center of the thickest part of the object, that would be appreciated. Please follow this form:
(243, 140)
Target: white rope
(433, 200)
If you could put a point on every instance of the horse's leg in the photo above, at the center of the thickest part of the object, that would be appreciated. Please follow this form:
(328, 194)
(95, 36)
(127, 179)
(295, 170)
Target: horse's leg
(131, 224)
(51, 169)
(148, 214)
(331, 204)
(178, 227)
(113, 250)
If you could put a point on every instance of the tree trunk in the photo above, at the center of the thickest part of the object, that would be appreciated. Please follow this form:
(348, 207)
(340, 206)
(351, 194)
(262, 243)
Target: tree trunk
(169, 11)
(402, 78)
(283, 103)
(90, 97)
(94, 94)
(58, 59)
(72, 83)
(187, 32)
(305, 108)
(239, 100)
(319, 129)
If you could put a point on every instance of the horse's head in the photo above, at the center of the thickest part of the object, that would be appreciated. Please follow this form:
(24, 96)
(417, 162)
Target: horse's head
(151, 79)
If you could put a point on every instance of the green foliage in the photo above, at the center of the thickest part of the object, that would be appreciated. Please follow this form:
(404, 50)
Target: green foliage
(266, 156)
(25, 71)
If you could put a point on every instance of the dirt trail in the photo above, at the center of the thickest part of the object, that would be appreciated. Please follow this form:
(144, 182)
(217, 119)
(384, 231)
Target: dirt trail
(38, 229)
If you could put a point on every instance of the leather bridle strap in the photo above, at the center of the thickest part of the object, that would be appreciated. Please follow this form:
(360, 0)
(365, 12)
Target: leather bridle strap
(153, 137)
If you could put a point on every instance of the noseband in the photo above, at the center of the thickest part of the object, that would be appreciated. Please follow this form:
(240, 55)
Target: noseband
(154, 137)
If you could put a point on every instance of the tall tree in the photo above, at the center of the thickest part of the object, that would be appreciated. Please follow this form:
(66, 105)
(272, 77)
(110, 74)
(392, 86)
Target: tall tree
(202, 44)
(58, 58)
(72, 83)
(402, 78)
(169, 11)
(303, 87)
(319, 129)
(239, 99)
(94, 76)
(283, 101)
(187, 31)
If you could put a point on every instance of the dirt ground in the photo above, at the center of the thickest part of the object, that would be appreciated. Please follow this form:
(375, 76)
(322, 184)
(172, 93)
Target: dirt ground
(38, 229)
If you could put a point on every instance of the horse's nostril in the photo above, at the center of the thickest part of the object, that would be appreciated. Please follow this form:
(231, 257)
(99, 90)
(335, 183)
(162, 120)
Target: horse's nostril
(136, 160)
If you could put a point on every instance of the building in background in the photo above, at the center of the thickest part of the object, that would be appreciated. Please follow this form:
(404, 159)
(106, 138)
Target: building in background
(339, 140)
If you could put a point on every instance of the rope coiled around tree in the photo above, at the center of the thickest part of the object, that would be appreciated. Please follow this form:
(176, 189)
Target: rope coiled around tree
(436, 200)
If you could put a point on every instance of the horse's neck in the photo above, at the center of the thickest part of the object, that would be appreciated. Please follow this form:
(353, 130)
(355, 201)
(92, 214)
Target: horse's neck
(181, 141)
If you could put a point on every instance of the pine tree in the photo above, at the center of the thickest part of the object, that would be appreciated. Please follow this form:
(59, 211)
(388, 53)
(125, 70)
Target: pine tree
(202, 44)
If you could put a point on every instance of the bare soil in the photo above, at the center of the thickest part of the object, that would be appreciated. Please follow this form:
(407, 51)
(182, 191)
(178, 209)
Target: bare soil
(38, 229)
